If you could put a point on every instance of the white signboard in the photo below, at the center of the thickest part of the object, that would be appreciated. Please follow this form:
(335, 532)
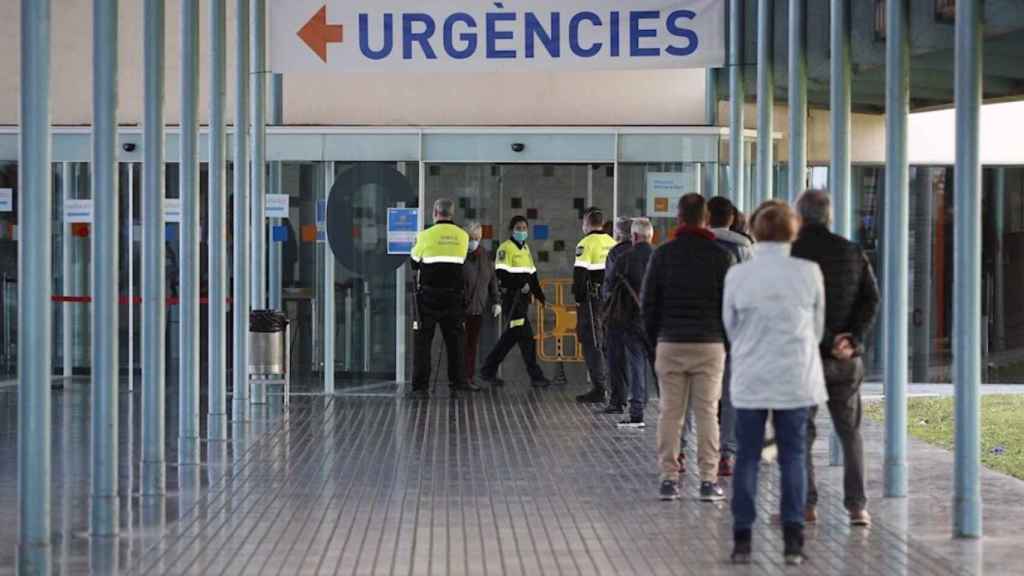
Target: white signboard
(276, 206)
(664, 189)
(335, 36)
(6, 200)
(78, 211)
(172, 210)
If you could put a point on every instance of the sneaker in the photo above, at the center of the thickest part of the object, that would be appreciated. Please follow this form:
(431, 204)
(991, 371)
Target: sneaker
(492, 380)
(669, 490)
(711, 492)
(682, 462)
(741, 551)
(860, 518)
(793, 536)
(611, 409)
(540, 383)
(595, 396)
(417, 394)
(632, 422)
(725, 466)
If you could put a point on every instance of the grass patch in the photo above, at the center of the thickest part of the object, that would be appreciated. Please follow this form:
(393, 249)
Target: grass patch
(1002, 427)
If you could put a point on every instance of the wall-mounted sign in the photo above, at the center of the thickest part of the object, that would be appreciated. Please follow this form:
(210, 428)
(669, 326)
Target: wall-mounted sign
(276, 206)
(403, 224)
(474, 36)
(664, 189)
(6, 200)
(172, 210)
(78, 211)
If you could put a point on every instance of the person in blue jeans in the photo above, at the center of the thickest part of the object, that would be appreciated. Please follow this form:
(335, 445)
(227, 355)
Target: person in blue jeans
(773, 311)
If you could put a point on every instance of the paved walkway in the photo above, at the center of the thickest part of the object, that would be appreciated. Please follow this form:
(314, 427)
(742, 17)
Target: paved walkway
(508, 482)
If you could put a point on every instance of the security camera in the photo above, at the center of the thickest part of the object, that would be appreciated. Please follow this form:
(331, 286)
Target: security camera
(128, 147)
(518, 147)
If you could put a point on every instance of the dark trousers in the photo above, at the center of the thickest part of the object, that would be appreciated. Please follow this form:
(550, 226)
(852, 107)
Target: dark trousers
(627, 369)
(843, 379)
(590, 336)
(521, 335)
(446, 313)
(473, 323)
(790, 433)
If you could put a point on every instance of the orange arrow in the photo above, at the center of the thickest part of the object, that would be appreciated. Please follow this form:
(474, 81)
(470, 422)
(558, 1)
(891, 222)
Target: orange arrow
(317, 33)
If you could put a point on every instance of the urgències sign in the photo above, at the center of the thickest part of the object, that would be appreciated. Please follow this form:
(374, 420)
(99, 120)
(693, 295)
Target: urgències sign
(473, 36)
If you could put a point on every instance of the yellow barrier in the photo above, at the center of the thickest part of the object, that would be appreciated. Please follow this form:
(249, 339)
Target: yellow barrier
(556, 324)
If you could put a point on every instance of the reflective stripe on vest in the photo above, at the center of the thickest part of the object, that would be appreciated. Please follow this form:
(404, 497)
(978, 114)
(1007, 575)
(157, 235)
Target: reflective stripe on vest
(513, 259)
(442, 243)
(592, 251)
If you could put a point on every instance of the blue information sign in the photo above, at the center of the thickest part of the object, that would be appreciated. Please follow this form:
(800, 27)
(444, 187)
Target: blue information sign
(403, 224)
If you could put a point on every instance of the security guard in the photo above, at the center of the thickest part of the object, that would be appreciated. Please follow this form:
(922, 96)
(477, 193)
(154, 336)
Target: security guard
(517, 280)
(588, 274)
(438, 255)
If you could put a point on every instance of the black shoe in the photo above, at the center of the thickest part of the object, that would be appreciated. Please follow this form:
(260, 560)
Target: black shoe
(541, 382)
(417, 394)
(492, 380)
(595, 396)
(635, 422)
(741, 550)
(468, 387)
(611, 409)
(793, 536)
(669, 490)
(711, 492)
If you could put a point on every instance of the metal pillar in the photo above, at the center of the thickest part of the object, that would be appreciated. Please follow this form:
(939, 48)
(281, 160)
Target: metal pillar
(216, 224)
(188, 177)
(840, 112)
(765, 100)
(154, 311)
(967, 506)
(710, 97)
(275, 256)
(105, 348)
(330, 320)
(797, 99)
(999, 215)
(897, 256)
(131, 278)
(240, 261)
(35, 276)
(67, 336)
(922, 315)
(737, 97)
(258, 114)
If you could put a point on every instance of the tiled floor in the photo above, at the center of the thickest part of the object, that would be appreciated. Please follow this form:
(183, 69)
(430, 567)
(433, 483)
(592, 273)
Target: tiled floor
(505, 482)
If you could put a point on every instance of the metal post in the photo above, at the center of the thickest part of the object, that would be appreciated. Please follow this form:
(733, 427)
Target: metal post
(258, 117)
(921, 317)
(1000, 258)
(240, 304)
(400, 307)
(131, 277)
(216, 224)
(330, 322)
(188, 377)
(35, 275)
(65, 254)
(711, 97)
(797, 99)
(154, 311)
(766, 99)
(105, 348)
(840, 111)
(897, 256)
(967, 506)
(737, 97)
(275, 257)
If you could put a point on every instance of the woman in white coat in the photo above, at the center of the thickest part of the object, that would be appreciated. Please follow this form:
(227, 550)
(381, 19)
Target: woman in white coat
(774, 316)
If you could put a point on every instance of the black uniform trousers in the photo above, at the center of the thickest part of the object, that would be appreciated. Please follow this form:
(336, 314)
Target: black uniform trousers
(444, 309)
(520, 334)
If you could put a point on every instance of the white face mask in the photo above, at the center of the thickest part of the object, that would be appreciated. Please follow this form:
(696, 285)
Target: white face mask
(473, 245)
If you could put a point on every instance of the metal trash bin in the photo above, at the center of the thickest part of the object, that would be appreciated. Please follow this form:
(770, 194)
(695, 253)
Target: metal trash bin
(269, 350)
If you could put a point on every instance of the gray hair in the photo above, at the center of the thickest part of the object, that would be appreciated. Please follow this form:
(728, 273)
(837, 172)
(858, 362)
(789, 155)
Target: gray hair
(444, 208)
(815, 207)
(643, 228)
(622, 228)
(473, 227)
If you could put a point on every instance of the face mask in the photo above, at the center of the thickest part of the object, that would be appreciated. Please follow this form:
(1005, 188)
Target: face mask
(473, 245)
(520, 236)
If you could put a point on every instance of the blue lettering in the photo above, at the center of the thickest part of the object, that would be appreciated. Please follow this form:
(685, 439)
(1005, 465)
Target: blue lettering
(422, 37)
(613, 27)
(574, 35)
(468, 39)
(551, 40)
(676, 30)
(493, 35)
(364, 37)
(636, 33)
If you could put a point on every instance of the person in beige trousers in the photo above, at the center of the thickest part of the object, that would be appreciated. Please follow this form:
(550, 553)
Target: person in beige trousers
(682, 309)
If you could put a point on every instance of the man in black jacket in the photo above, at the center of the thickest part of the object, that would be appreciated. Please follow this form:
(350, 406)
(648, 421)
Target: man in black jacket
(851, 304)
(682, 310)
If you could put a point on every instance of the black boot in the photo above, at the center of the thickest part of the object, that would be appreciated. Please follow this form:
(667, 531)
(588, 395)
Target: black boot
(793, 536)
(595, 396)
(741, 550)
